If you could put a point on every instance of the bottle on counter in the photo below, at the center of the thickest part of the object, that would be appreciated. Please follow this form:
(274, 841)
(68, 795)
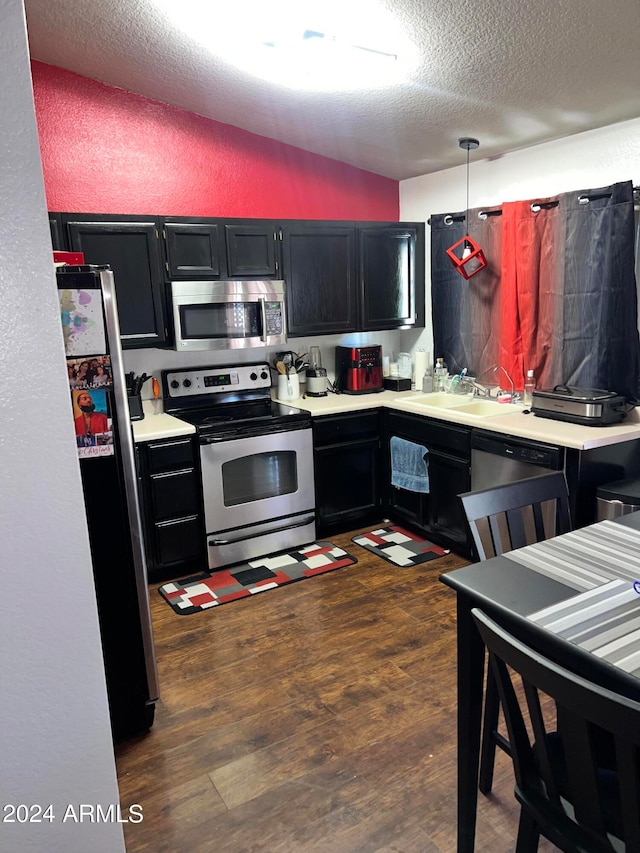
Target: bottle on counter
(441, 374)
(529, 388)
(427, 380)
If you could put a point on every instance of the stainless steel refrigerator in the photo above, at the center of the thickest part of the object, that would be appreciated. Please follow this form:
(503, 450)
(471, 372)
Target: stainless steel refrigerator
(106, 451)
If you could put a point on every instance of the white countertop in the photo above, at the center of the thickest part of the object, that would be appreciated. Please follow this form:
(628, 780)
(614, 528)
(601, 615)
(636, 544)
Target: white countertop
(508, 422)
(154, 426)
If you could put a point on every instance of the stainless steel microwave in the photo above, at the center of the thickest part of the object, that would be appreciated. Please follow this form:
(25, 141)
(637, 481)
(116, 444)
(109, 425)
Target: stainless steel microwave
(213, 315)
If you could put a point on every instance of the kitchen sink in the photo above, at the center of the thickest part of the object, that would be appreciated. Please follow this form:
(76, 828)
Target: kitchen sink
(442, 400)
(486, 408)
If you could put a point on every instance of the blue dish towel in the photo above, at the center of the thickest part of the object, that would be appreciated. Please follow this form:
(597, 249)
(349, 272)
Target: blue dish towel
(409, 466)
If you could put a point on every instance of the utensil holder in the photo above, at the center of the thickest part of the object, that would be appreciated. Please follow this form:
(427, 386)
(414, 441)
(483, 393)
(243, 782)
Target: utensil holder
(288, 387)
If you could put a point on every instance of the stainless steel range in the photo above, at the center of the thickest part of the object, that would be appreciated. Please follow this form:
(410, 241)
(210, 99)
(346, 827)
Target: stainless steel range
(256, 457)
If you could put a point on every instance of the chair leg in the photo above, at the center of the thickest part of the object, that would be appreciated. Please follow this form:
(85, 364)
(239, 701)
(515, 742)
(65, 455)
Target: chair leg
(489, 728)
(528, 834)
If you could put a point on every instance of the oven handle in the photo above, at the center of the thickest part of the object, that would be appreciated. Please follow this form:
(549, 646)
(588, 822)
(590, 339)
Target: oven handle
(263, 313)
(307, 520)
(253, 432)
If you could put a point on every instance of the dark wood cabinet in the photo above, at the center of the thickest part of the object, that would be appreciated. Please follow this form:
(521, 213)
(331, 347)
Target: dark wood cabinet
(194, 250)
(439, 513)
(172, 509)
(391, 276)
(206, 248)
(131, 247)
(340, 276)
(344, 277)
(252, 249)
(319, 262)
(347, 471)
(55, 227)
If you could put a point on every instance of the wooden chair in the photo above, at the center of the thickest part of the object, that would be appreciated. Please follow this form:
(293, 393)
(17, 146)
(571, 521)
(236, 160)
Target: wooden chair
(568, 790)
(500, 520)
(518, 514)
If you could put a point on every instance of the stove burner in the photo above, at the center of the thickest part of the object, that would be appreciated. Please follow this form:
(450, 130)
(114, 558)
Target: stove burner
(214, 420)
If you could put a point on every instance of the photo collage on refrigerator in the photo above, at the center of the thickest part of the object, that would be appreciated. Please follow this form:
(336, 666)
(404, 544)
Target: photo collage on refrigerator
(89, 371)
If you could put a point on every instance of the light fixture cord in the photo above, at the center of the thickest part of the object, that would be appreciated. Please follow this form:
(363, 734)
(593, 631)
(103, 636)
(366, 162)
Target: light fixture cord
(467, 213)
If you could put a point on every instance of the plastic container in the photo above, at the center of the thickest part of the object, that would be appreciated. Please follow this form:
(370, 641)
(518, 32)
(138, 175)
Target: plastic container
(427, 380)
(529, 388)
(404, 365)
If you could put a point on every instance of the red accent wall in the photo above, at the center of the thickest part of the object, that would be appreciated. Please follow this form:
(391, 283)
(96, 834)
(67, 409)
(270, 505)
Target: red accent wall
(105, 150)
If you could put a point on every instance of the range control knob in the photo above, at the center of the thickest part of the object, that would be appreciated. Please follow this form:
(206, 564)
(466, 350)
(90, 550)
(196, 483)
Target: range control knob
(174, 383)
(187, 383)
(253, 376)
(264, 374)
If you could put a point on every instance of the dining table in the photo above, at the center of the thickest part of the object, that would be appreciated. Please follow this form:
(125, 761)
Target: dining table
(575, 598)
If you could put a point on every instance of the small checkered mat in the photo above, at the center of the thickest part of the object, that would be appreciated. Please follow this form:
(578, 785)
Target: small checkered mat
(210, 589)
(399, 546)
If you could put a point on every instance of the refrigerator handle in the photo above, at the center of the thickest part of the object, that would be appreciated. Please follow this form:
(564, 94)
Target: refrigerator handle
(127, 450)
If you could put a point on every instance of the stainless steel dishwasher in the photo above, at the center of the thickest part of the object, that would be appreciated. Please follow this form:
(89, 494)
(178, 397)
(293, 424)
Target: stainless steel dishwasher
(497, 459)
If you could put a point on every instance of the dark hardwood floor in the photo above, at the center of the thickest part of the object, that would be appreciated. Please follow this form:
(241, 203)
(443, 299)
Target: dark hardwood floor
(320, 716)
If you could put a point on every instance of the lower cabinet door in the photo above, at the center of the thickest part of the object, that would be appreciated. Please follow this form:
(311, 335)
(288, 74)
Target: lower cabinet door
(173, 494)
(178, 541)
(437, 514)
(449, 476)
(346, 476)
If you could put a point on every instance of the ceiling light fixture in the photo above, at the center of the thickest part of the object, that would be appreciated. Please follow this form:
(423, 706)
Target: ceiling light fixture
(301, 44)
(466, 255)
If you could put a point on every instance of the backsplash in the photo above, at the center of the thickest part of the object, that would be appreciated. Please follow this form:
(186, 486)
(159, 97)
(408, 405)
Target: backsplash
(153, 361)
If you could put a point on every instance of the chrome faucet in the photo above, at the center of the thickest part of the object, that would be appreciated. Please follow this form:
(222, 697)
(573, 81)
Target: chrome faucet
(504, 370)
(485, 391)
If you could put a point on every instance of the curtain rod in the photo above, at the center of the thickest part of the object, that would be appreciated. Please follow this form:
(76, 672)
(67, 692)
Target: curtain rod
(536, 206)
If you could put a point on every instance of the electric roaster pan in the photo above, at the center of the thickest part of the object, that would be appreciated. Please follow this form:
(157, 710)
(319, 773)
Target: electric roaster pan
(586, 406)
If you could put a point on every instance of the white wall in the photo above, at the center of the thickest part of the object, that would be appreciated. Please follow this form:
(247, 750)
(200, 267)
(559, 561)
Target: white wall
(56, 743)
(587, 160)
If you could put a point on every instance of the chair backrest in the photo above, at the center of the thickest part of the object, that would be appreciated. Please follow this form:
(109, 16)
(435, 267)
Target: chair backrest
(592, 760)
(517, 514)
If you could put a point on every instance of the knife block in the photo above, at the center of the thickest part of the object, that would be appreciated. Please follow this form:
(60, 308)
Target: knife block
(135, 407)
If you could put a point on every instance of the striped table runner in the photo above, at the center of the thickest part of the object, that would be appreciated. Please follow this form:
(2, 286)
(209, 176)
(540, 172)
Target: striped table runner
(604, 621)
(587, 558)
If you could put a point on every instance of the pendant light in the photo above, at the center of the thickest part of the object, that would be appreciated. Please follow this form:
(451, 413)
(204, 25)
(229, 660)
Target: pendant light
(465, 255)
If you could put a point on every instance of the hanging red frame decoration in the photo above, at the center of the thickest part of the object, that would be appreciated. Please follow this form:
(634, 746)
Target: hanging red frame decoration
(472, 259)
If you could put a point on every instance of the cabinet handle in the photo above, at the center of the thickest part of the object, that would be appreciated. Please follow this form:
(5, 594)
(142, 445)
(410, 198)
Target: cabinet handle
(176, 521)
(180, 473)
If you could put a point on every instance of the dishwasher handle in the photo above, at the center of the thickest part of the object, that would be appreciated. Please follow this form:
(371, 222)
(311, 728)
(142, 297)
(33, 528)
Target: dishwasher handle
(521, 450)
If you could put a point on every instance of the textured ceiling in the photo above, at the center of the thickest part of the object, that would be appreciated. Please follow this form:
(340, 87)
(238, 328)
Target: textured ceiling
(510, 73)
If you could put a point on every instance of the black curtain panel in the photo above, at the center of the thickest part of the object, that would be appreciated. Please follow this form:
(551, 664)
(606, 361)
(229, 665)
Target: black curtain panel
(601, 348)
(448, 292)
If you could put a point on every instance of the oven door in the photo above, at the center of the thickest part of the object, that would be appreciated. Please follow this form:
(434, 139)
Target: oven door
(211, 315)
(258, 484)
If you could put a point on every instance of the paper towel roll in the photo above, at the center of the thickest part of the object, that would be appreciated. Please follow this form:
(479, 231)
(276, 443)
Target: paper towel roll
(420, 363)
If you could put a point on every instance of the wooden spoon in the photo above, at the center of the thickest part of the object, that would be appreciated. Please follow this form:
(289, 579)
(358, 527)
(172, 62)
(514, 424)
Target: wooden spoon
(281, 368)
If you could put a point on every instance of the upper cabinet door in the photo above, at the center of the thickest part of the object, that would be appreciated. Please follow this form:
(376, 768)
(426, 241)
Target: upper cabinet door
(194, 250)
(55, 228)
(391, 275)
(132, 250)
(319, 261)
(252, 250)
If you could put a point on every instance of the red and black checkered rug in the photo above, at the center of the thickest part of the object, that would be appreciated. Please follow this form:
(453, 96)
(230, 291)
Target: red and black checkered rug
(210, 589)
(399, 546)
